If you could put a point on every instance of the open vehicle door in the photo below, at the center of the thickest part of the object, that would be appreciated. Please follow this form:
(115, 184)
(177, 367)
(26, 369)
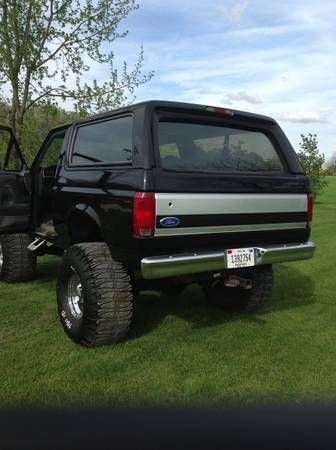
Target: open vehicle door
(15, 196)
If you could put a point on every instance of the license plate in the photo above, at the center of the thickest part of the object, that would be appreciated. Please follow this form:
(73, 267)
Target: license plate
(239, 257)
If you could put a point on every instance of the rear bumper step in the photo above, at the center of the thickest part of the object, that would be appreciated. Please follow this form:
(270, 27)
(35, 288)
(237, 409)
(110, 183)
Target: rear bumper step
(183, 264)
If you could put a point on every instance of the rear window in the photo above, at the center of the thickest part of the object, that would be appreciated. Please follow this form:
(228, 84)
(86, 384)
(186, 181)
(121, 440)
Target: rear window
(191, 146)
(109, 141)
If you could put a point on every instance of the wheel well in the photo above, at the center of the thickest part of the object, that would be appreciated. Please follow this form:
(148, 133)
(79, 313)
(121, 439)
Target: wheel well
(82, 228)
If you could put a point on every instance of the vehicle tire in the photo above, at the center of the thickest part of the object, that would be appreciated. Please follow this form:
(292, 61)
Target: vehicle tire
(17, 263)
(94, 295)
(239, 299)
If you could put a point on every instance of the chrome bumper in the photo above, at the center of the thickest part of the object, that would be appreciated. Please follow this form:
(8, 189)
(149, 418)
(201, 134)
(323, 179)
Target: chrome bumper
(185, 264)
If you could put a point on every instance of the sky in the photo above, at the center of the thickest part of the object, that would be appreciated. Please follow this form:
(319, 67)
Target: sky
(273, 58)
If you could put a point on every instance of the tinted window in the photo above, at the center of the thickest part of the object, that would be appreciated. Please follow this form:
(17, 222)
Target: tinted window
(52, 151)
(104, 142)
(187, 146)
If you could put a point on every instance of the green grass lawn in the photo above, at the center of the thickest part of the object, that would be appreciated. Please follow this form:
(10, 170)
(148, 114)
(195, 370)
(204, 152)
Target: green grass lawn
(180, 350)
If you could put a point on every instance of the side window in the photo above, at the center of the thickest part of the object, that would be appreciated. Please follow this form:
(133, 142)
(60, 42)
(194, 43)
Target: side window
(109, 141)
(10, 159)
(52, 152)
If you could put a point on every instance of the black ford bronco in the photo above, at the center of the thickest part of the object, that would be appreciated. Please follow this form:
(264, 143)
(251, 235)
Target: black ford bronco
(155, 195)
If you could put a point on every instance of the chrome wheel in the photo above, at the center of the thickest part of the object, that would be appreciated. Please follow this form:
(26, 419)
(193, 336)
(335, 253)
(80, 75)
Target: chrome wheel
(75, 295)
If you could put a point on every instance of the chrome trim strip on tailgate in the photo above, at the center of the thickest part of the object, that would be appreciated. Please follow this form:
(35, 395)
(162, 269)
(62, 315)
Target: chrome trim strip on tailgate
(229, 228)
(174, 204)
(186, 264)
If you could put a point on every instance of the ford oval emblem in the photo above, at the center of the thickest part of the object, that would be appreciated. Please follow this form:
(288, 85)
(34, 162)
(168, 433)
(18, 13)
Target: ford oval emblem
(169, 222)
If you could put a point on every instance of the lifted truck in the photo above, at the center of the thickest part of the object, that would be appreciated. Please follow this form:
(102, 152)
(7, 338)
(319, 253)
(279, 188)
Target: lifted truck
(155, 195)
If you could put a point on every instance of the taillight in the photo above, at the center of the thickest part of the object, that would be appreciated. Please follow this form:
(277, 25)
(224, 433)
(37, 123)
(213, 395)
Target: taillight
(217, 110)
(144, 214)
(310, 207)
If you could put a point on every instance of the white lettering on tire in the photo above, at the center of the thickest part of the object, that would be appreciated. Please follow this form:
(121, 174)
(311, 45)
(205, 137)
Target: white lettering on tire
(67, 322)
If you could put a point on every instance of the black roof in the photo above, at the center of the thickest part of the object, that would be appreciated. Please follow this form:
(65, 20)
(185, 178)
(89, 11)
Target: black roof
(169, 105)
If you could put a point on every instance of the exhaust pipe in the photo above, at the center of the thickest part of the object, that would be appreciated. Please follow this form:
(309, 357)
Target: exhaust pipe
(234, 281)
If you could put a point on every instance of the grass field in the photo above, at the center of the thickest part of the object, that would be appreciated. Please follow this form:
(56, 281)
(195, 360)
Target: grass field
(180, 350)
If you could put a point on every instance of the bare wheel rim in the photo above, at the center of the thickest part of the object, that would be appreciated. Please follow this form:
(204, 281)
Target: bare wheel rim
(1, 258)
(75, 295)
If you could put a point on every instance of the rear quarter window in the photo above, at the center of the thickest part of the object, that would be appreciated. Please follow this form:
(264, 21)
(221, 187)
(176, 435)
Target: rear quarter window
(108, 141)
(189, 146)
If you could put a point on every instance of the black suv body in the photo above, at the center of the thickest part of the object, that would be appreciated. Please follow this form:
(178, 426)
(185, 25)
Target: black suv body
(169, 192)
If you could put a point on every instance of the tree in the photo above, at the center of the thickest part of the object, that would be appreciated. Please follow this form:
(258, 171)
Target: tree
(331, 164)
(38, 121)
(47, 48)
(312, 161)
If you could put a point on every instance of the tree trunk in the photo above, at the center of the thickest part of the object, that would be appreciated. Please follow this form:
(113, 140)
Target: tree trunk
(17, 113)
(19, 125)
(15, 105)
(13, 117)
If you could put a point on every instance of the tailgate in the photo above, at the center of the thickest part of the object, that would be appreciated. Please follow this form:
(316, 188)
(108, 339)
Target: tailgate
(223, 180)
(213, 213)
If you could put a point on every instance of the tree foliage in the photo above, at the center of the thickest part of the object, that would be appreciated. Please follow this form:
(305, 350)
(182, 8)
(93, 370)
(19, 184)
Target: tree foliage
(47, 48)
(38, 121)
(331, 165)
(312, 161)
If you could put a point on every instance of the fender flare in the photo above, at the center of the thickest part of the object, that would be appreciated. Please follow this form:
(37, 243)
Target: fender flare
(89, 211)
(87, 216)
